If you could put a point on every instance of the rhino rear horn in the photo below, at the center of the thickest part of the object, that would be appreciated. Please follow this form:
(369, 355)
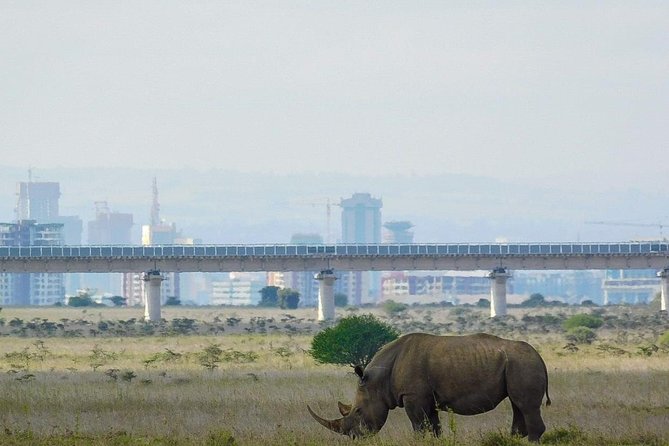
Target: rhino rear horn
(333, 425)
(344, 409)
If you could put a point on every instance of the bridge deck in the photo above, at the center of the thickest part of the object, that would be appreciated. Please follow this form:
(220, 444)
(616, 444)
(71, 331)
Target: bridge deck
(360, 257)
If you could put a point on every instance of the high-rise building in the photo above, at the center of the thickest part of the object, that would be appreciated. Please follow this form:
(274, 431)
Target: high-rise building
(34, 288)
(37, 201)
(361, 219)
(361, 223)
(108, 228)
(158, 232)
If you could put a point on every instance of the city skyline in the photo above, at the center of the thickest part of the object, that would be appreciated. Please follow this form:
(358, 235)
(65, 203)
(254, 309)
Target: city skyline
(441, 208)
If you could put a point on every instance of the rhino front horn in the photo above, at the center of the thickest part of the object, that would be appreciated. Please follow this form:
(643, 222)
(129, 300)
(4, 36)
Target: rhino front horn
(333, 425)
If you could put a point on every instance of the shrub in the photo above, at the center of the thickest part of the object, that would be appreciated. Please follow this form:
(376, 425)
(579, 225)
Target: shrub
(82, 300)
(269, 296)
(663, 340)
(210, 356)
(340, 300)
(484, 303)
(581, 335)
(353, 341)
(583, 320)
(535, 300)
(288, 298)
(393, 308)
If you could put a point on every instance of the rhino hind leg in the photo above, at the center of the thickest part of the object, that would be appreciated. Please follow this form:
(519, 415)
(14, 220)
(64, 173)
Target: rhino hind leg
(535, 424)
(518, 425)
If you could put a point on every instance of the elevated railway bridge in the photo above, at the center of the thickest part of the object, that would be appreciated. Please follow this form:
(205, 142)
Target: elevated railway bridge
(498, 258)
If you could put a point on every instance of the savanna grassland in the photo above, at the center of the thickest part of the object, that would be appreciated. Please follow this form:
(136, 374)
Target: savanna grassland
(232, 376)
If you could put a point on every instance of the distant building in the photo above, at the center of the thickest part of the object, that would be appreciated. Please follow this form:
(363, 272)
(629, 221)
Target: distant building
(38, 201)
(361, 223)
(434, 286)
(361, 219)
(277, 279)
(238, 289)
(108, 228)
(398, 232)
(630, 286)
(34, 288)
(303, 281)
(157, 233)
(569, 286)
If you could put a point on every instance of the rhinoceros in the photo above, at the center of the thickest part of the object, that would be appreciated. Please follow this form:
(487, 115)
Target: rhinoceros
(425, 373)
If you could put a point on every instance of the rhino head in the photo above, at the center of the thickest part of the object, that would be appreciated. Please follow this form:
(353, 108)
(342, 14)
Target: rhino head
(369, 412)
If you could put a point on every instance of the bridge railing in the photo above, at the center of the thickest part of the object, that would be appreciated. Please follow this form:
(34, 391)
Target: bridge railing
(454, 249)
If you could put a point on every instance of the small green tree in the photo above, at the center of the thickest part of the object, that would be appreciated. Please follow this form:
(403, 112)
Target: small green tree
(172, 300)
(340, 300)
(289, 298)
(118, 301)
(82, 299)
(269, 296)
(353, 341)
(535, 300)
(210, 356)
(583, 320)
(393, 308)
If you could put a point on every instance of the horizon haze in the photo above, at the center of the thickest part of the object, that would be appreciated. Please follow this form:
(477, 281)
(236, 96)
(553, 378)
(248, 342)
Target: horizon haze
(571, 94)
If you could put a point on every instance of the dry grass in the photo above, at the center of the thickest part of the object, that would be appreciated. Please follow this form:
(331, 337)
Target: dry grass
(599, 397)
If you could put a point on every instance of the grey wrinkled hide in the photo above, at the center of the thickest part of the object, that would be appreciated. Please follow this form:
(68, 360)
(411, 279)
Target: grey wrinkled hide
(469, 375)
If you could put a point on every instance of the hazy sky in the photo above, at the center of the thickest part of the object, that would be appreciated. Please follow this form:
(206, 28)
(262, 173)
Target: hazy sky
(494, 88)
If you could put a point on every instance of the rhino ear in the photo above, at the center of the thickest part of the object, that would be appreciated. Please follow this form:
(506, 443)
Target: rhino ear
(344, 409)
(359, 370)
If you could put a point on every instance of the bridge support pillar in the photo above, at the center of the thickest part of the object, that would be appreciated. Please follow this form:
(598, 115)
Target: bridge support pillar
(152, 280)
(664, 296)
(326, 308)
(499, 276)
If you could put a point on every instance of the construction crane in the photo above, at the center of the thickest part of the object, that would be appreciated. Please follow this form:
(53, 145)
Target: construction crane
(328, 213)
(659, 225)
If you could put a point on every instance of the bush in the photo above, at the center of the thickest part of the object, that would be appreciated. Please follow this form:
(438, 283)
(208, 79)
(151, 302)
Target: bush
(82, 300)
(393, 308)
(353, 341)
(535, 300)
(269, 296)
(484, 303)
(583, 320)
(289, 298)
(340, 300)
(663, 340)
(581, 335)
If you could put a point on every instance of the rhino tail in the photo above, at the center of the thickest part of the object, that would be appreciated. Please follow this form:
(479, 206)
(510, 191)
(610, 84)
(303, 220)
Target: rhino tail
(548, 398)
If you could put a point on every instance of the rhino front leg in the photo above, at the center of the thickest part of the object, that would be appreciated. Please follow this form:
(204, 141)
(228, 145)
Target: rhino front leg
(423, 417)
